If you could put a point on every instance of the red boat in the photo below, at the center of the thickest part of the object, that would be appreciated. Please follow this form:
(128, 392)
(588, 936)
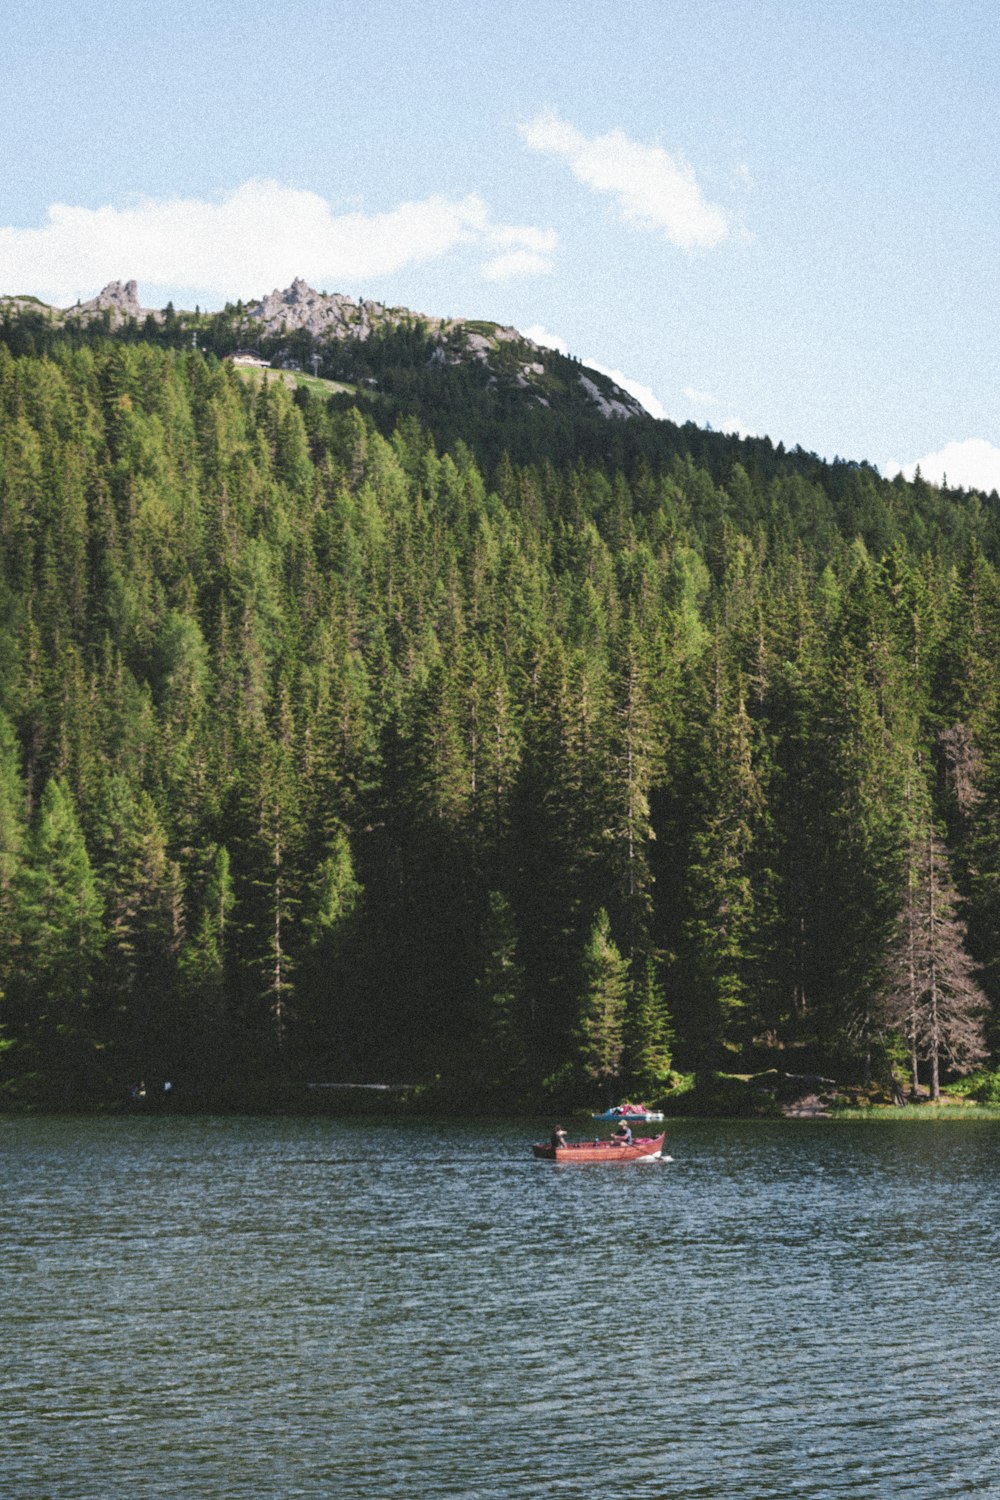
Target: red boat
(646, 1148)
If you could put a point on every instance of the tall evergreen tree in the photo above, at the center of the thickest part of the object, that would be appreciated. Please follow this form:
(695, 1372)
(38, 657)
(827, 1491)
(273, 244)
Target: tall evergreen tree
(144, 898)
(603, 1002)
(63, 934)
(13, 841)
(204, 964)
(495, 1066)
(720, 933)
(649, 1033)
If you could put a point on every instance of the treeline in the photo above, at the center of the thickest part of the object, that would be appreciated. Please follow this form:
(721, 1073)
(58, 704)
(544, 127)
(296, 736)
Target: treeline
(327, 754)
(404, 370)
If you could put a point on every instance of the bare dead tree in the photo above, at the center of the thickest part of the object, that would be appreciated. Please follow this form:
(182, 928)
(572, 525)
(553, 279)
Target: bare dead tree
(933, 996)
(963, 765)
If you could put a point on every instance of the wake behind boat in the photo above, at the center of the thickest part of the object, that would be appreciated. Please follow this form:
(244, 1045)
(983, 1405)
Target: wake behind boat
(646, 1148)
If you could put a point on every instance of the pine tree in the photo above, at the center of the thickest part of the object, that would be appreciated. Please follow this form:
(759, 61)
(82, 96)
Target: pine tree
(493, 747)
(204, 963)
(63, 936)
(632, 763)
(603, 1002)
(13, 840)
(146, 920)
(649, 1033)
(979, 858)
(496, 1064)
(332, 908)
(720, 932)
(273, 875)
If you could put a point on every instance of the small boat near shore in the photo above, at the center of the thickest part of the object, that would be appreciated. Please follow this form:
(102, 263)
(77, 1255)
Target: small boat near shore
(645, 1148)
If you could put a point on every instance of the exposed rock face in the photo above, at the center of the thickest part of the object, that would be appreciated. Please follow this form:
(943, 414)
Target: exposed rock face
(119, 298)
(480, 345)
(12, 305)
(334, 316)
(619, 404)
(321, 314)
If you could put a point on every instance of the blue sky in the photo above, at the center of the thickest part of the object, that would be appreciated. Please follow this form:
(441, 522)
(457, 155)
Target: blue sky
(779, 218)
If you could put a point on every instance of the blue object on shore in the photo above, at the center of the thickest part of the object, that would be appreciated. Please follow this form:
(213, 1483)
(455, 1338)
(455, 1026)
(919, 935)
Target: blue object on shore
(639, 1115)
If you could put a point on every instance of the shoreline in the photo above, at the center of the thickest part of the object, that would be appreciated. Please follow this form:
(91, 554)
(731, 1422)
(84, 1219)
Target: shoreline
(946, 1110)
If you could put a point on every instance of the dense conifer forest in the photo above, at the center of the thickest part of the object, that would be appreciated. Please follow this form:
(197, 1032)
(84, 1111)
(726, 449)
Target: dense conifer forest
(422, 736)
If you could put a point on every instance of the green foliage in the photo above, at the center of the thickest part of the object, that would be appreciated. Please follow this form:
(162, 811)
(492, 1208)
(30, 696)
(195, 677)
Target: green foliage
(985, 1088)
(649, 1035)
(326, 728)
(496, 1067)
(62, 937)
(603, 998)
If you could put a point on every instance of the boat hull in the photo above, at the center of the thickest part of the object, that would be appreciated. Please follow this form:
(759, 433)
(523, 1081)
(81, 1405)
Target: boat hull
(647, 1149)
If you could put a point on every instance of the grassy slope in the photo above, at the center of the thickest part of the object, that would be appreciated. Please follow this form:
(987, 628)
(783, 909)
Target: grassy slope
(293, 378)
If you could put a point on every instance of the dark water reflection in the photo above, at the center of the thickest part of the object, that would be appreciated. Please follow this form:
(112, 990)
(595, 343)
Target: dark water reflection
(278, 1308)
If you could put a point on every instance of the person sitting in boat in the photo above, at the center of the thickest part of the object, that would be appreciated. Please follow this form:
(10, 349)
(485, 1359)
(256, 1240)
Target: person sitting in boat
(623, 1135)
(558, 1137)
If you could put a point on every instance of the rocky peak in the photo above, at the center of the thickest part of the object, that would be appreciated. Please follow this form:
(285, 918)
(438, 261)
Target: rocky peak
(120, 298)
(123, 294)
(320, 313)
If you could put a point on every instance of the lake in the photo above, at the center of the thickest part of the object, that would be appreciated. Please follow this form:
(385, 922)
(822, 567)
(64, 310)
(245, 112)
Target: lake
(249, 1307)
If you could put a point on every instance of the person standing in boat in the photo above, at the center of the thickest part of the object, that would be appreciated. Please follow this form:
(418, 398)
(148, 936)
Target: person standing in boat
(558, 1137)
(623, 1135)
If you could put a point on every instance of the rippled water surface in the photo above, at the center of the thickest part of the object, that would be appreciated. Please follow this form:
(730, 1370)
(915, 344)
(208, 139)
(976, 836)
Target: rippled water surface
(279, 1308)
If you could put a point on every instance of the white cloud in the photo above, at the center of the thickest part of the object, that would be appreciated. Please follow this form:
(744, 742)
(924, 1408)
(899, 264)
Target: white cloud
(546, 340)
(970, 465)
(737, 427)
(525, 251)
(654, 189)
(260, 235)
(700, 398)
(516, 263)
(709, 401)
(526, 235)
(642, 393)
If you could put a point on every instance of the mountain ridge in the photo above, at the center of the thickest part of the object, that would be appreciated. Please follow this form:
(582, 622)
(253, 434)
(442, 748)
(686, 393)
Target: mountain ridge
(331, 318)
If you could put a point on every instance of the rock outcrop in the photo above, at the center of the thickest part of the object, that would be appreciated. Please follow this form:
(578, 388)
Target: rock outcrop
(617, 403)
(119, 298)
(323, 314)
